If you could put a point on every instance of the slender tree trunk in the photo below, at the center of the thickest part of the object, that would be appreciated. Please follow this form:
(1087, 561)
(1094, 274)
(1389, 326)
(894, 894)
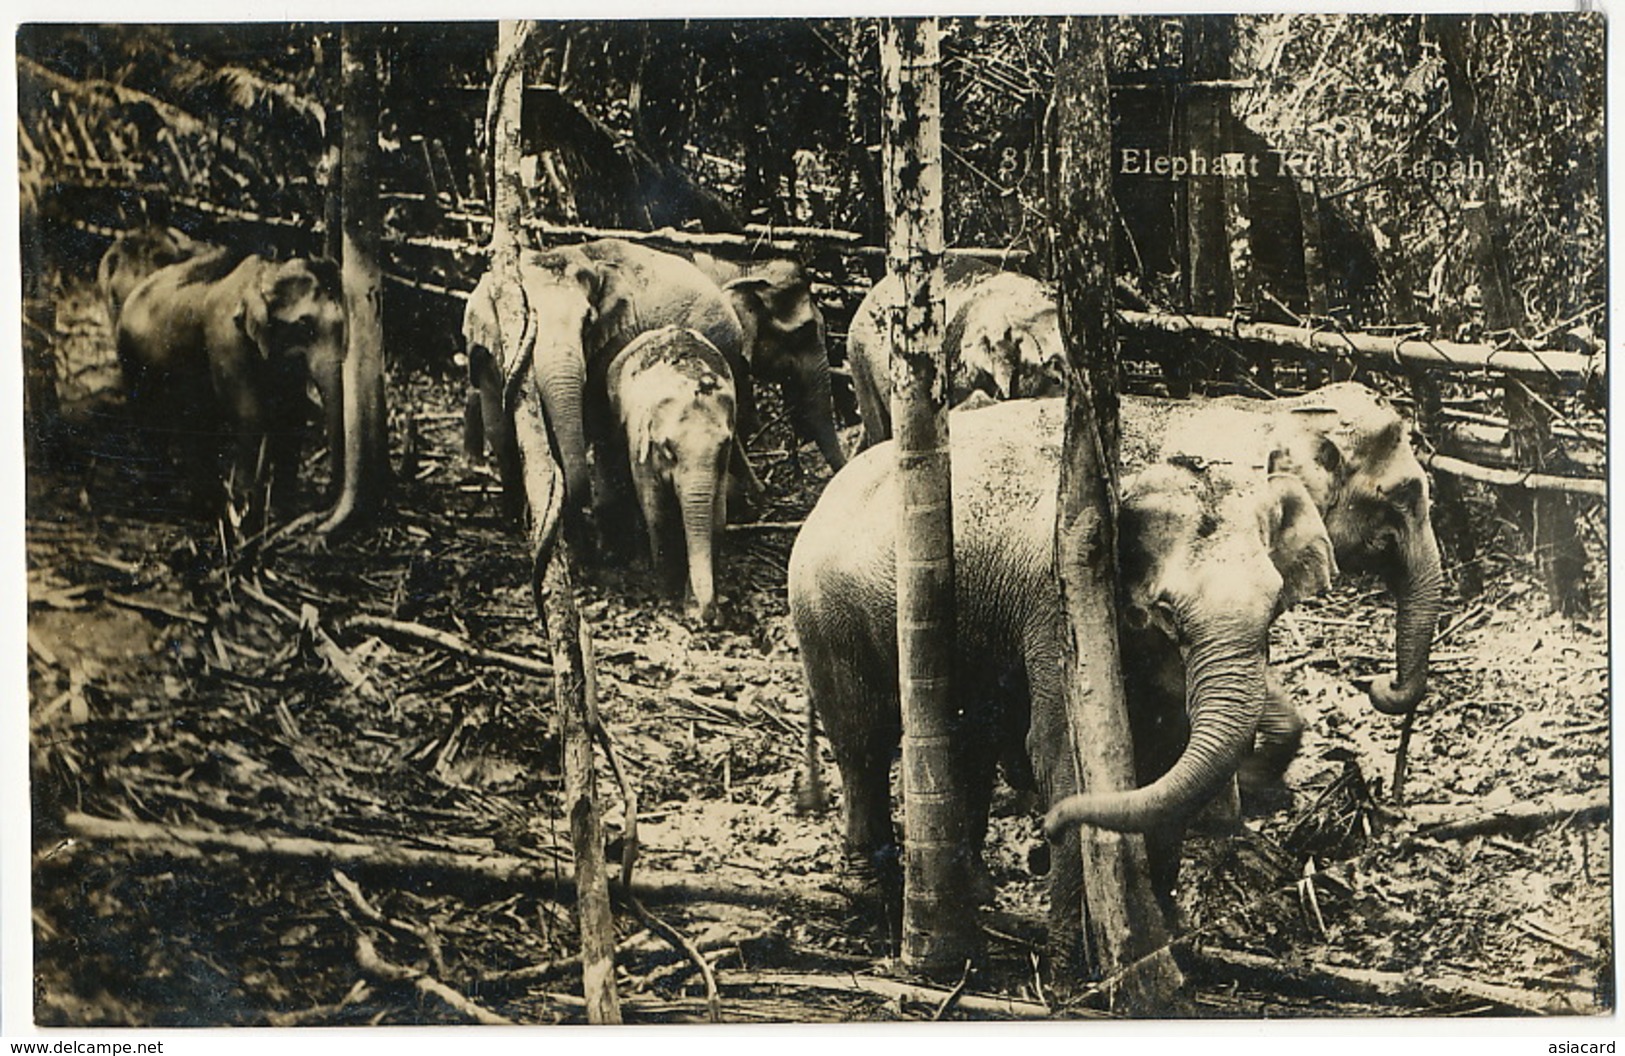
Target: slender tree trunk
(1558, 552)
(1125, 922)
(365, 458)
(555, 590)
(939, 925)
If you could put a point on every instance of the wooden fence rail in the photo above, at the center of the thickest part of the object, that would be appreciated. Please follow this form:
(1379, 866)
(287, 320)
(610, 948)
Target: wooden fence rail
(1398, 350)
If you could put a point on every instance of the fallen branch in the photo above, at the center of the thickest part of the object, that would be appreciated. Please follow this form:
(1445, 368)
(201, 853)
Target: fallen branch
(341, 661)
(891, 989)
(1343, 984)
(446, 641)
(374, 965)
(362, 905)
(680, 943)
(153, 608)
(1520, 817)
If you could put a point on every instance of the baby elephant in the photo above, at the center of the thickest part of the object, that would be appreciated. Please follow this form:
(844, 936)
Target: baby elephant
(672, 395)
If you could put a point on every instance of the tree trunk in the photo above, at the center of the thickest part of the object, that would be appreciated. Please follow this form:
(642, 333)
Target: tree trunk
(364, 465)
(553, 583)
(1558, 552)
(939, 925)
(1125, 922)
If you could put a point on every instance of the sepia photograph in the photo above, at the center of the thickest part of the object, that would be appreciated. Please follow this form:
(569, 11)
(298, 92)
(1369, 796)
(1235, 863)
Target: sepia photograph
(814, 520)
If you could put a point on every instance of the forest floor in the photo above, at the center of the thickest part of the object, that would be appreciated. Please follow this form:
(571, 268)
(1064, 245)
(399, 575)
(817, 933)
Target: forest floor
(252, 807)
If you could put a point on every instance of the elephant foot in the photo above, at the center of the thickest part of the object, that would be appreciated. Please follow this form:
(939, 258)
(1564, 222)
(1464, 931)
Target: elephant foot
(873, 882)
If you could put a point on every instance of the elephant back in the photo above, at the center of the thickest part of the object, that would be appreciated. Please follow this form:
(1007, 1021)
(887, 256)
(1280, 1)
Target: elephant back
(651, 289)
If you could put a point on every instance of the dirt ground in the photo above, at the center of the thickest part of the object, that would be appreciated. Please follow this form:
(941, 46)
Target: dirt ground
(230, 779)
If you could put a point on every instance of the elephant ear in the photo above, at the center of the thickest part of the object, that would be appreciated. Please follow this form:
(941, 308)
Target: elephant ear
(1303, 447)
(778, 292)
(480, 319)
(598, 282)
(253, 315)
(1299, 545)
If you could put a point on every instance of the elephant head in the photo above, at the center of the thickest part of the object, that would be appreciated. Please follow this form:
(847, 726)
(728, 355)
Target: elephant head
(1353, 453)
(1212, 551)
(293, 313)
(1009, 337)
(784, 338)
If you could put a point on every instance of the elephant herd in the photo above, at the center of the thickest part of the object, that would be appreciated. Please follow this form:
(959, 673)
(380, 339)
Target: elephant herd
(636, 370)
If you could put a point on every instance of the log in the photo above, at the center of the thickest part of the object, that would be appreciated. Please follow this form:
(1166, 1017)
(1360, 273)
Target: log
(551, 879)
(1517, 478)
(1344, 984)
(1448, 823)
(893, 990)
(1394, 350)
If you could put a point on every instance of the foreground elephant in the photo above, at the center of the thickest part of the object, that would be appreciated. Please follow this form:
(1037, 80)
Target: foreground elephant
(673, 398)
(583, 305)
(1353, 453)
(134, 256)
(225, 345)
(1211, 552)
(1003, 335)
(784, 341)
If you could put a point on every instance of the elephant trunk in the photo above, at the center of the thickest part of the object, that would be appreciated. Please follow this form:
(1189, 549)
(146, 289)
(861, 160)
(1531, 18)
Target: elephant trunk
(561, 375)
(1418, 589)
(697, 495)
(1225, 699)
(815, 406)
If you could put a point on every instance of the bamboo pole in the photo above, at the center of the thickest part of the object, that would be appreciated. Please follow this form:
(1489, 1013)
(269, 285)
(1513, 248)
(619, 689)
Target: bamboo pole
(939, 925)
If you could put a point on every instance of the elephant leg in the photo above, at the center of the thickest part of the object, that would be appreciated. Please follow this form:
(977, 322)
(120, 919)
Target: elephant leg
(473, 428)
(657, 529)
(1280, 732)
(745, 489)
(860, 720)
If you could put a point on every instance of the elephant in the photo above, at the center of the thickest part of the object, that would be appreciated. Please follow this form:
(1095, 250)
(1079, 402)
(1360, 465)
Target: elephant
(1211, 549)
(583, 304)
(234, 341)
(1002, 335)
(673, 398)
(134, 256)
(784, 341)
(1353, 453)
